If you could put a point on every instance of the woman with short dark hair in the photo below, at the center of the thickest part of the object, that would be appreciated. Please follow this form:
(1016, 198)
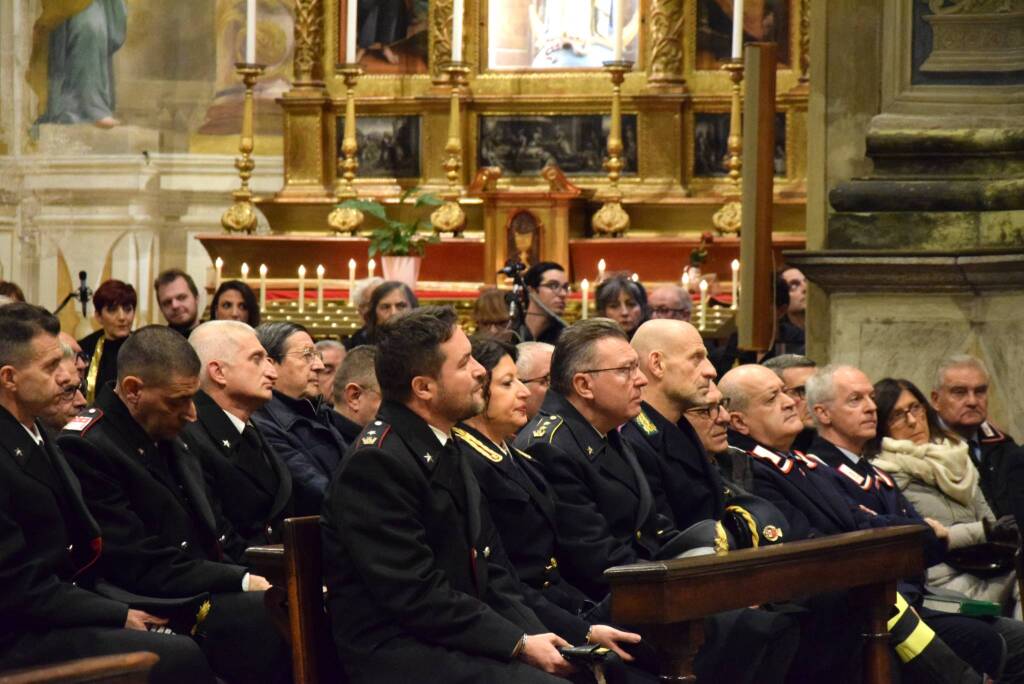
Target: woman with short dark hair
(623, 300)
(113, 304)
(932, 468)
(235, 301)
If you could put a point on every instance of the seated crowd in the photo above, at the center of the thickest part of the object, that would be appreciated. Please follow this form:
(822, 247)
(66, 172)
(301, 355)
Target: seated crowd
(472, 490)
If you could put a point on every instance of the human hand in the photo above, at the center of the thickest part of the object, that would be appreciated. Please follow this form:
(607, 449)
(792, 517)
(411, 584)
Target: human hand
(257, 583)
(141, 620)
(940, 530)
(1002, 530)
(541, 651)
(609, 637)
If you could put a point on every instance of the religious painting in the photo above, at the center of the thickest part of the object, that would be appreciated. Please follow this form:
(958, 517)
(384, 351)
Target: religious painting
(711, 144)
(522, 145)
(558, 34)
(764, 21)
(392, 36)
(389, 146)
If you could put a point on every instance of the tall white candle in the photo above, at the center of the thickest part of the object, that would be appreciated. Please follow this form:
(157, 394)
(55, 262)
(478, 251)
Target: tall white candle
(686, 280)
(458, 8)
(371, 267)
(737, 29)
(584, 294)
(703, 303)
(735, 282)
(218, 264)
(320, 288)
(618, 10)
(263, 287)
(635, 277)
(245, 271)
(600, 270)
(350, 32)
(302, 289)
(351, 282)
(250, 32)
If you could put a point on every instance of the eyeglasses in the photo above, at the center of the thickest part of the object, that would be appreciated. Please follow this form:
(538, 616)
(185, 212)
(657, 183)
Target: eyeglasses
(898, 417)
(555, 286)
(666, 312)
(307, 354)
(710, 411)
(83, 357)
(625, 372)
(543, 380)
(798, 392)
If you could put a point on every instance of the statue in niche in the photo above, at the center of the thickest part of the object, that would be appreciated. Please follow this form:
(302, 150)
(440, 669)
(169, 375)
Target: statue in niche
(74, 42)
(763, 21)
(391, 35)
(523, 237)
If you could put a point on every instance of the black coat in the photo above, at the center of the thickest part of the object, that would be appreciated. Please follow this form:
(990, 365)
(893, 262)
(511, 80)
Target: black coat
(161, 535)
(999, 455)
(406, 547)
(522, 506)
(303, 436)
(348, 429)
(245, 477)
(604, 508)
(106, 366)
(48, 539)
(683, 480)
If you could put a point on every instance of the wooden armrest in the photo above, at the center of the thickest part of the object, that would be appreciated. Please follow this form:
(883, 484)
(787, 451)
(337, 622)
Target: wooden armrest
(268, 561)
(126, 668)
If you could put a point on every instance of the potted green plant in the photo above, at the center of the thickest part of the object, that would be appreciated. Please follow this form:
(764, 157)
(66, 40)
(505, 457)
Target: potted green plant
(399, 243)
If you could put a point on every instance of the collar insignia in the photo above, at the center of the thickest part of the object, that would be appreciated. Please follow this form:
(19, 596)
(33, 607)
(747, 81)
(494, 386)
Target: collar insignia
(17, 452)
(646, 424)
(428, 458)
(861, 481)
(478, 446)
(226, 443)
(590, 450)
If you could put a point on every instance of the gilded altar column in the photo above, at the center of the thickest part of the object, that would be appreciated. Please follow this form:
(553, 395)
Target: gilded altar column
(308, 124)
(665, 67)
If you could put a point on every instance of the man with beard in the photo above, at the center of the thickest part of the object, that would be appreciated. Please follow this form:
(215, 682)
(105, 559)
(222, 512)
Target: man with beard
(407, 545)
(178, 298)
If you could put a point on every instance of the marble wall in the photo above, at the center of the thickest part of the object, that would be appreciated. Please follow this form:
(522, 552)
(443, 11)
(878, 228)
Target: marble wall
(893, 335)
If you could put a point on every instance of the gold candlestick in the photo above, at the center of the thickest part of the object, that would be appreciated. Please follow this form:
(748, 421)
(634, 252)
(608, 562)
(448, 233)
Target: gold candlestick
(347, 219)
(611, 218)
(241, 216)
(729, 218)
(450, 217)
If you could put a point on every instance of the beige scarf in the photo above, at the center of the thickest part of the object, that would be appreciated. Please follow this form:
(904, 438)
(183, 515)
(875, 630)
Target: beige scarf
(944, 465)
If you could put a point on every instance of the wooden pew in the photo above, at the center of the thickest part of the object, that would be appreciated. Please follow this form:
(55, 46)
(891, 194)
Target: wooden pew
(667, 601)
(296, 565)
(122, 668)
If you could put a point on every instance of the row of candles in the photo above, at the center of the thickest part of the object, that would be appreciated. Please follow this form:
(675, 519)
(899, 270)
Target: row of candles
(371, 267)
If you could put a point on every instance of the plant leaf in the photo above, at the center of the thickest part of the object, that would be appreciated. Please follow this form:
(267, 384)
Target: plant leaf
(371, 207)
(428, 199)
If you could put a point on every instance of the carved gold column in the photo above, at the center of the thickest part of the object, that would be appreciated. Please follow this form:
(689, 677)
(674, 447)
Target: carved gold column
(347, 219)
(450, 217)
(240, 216)
(666, 19)
(308, 123)
(441, 40)
(728, 219)
(611, 218)
(805, 42)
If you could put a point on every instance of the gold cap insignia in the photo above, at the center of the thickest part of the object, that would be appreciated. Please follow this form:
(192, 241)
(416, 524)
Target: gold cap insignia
(771, 533)
(201, 614)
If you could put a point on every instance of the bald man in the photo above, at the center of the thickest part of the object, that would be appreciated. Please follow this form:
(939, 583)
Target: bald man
(679, 375)
(247, 480)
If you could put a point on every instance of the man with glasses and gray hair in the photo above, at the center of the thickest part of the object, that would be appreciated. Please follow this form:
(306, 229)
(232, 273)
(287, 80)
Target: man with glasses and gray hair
(794, 370)
(670, 301)
(295, 422)
(534, 370)
(548, 287)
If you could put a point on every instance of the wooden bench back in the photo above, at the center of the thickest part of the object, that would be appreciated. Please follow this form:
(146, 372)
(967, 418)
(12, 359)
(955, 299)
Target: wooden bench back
(314, 657)
(123, 668)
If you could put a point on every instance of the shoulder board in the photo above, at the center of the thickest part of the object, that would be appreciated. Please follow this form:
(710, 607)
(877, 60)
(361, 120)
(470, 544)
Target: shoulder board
(84, 420)
(374, 434)
(990, 433)
(645, 424)
(784, 465)
(882, 477)
(809, 460)
(483, 449)
(547, 427)
(861, 481)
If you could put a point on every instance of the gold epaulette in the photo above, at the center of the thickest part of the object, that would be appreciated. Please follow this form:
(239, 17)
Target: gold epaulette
(478, 446)
(547, 427)
(645, 424)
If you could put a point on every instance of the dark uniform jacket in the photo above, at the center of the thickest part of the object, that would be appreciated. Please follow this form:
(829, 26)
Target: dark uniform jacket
(865, 485)
(348, 429)
(49, 543)
(682, 478)
(245, 477)
(407, 550)
(604, 508)
(522, 506)
(302, 435)
(161, 535)
(998, 454)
